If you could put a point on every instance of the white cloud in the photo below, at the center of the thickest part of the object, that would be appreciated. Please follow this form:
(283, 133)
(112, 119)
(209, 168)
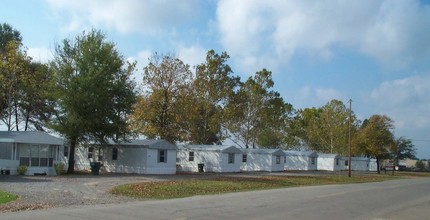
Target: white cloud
(308, 97)
(125, 16)
(406, 101)
(40, 54)
(192, 55)
(394, 33)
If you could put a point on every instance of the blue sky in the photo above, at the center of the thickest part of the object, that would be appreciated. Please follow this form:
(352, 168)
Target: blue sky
(376, 53)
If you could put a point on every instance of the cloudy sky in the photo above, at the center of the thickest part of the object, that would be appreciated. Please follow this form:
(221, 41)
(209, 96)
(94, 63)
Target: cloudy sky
(374, 52)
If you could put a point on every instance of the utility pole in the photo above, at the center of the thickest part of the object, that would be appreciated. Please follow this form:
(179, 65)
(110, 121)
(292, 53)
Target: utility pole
(349, 138)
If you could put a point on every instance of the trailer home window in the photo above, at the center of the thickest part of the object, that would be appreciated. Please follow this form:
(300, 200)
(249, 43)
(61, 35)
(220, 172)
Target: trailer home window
(191, 156)
(114, 153)
(162, 156)
(313, 160)
(90, 152)
(230, 158)
(244, 158)
(278, 159)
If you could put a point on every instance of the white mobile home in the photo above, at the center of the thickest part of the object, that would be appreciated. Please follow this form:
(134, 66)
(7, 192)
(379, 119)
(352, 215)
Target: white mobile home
(300, 160)
(372, 165)
(359, 163)
(210, 158)
(137, 156)
(262, 160)
(37, 150)
(329, 162)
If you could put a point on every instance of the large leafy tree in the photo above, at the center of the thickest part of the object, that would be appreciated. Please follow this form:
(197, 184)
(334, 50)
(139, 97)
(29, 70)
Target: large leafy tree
(13, 69)
(375, 138)
(12, 64)
(94, 92)
(402, 148)
(8, 34)
(24, 87)
(212, 89)
(160, 110)
(257, 114)
(330, 128)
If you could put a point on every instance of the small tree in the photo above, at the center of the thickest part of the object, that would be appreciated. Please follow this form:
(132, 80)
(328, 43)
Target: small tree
(375, 138)
(420, 165)
(402, 149)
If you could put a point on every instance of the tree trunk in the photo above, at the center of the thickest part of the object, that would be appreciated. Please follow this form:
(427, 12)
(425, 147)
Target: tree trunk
(377, 166)
(71, 167)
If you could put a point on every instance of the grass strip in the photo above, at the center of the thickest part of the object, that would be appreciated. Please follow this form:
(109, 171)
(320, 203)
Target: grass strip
(6, 197)
(218, 185)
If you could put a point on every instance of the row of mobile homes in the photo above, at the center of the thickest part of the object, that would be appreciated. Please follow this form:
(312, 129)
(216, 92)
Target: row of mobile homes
(209, 158)
(38, 151)
(137, 156)
(262, 160)
(300, 160)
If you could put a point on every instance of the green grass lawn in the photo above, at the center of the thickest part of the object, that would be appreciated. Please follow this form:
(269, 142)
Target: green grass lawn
(217, 185)
(6, 197)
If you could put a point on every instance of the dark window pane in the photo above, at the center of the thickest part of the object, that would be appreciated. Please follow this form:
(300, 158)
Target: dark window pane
(43, 162)
(34, 162)
(24, 161)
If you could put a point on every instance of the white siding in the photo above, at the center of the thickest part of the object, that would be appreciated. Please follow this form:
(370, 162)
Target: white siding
(372, 165)
(130, 160)
(329, 162)
(297, 162)
(155, 167)
(213, 161)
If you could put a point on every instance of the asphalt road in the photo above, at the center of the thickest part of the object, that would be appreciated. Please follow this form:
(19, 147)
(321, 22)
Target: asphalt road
(397, 199)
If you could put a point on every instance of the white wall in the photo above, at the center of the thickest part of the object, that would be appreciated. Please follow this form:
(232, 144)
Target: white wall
(329, 164)
(10, 165)
(278, 166)
(214, 161)
(262, 162)
(372, 165)
(129, 160)
(296, 162)
(154, 167)
(359, 164)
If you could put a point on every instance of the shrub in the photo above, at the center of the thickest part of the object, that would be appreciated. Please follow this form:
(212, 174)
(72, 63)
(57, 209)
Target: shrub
(59, 168)
(22, 169)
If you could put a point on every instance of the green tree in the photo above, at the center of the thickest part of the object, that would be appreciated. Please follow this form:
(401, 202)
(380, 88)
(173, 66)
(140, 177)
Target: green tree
(420, 164)
(330, 128)
(160, 110)
(403, 148)
(375, 138)
(8, 34)
(13, 71)
(94, 92)
(12, 59)
(212, 89)
(257, 114)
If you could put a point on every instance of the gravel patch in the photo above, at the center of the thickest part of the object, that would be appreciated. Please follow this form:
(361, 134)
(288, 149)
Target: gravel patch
(36, 192)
